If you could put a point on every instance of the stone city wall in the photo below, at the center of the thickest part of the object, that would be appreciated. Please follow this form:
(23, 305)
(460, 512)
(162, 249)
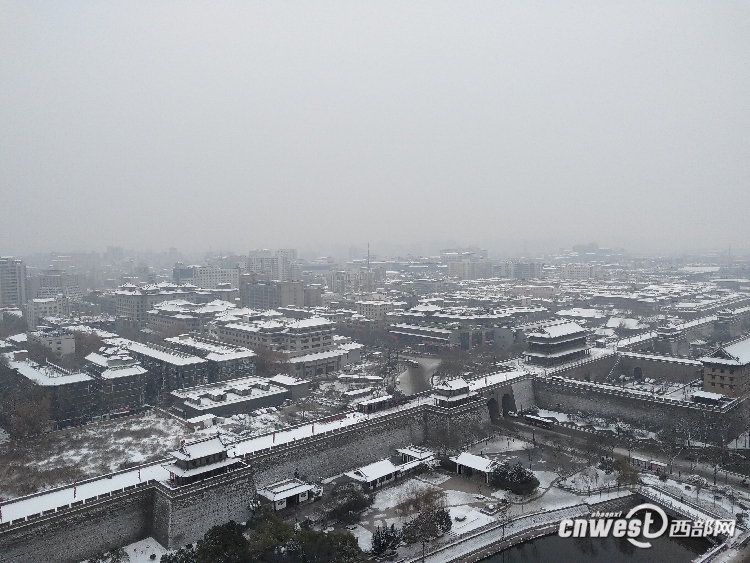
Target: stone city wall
(344, 449)
(78, 531)
(589, 369)
(448, 429)
(183, 515)
(641, 411)
(678, 370)
(178, 516)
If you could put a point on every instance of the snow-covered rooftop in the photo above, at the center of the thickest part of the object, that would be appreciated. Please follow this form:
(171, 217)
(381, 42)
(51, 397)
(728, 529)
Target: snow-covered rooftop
(46, 376)
(374, 471)
(474, 461)
(199, 448)
(284, 489)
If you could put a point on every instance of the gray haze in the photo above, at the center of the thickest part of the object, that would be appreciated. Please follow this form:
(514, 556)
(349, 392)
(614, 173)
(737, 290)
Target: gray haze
(248, 124)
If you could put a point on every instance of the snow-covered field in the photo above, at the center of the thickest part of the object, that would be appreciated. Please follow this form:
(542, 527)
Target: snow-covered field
(60, 458)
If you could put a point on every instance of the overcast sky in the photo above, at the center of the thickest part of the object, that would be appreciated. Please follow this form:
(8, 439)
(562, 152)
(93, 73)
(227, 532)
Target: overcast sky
(239, 125)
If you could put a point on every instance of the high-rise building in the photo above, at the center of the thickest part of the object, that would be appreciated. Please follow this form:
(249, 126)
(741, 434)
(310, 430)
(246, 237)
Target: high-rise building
(263, 295)
(281, 264)
(12, 282)
(51, 283)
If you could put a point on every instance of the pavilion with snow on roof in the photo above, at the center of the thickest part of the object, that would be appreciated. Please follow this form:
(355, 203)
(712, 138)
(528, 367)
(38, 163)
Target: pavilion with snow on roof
(375, 475)
(200, 459)
(467, 464)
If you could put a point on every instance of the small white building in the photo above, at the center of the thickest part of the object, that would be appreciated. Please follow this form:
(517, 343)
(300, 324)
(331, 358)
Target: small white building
(286, 493)
(376, 474)
(474, 463)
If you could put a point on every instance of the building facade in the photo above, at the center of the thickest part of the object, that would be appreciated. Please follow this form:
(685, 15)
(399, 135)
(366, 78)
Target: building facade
(12, 282)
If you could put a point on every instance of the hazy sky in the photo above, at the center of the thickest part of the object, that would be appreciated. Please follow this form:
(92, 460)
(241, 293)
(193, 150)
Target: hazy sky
(238, 125)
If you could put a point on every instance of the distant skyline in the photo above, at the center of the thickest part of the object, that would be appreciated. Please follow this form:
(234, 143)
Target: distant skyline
(245, 125)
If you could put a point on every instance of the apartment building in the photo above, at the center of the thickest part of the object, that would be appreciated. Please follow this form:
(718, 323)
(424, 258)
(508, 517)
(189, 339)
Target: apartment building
(38, 309)
(264, 295)
(211, 276)
(12, 282)
(375, 310)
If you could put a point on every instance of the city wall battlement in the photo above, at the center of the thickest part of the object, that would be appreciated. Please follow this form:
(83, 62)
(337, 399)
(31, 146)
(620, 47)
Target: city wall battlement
(175, 516)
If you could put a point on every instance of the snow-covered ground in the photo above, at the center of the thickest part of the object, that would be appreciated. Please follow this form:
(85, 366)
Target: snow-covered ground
(500, 445)
(545, 478)
(471, 519)
(141, 551)
(59, 458)
(559, 416)
(363, 535)
(590, 478)
(4, 436)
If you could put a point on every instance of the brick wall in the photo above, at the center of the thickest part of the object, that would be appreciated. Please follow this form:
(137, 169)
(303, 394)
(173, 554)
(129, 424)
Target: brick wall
(325, 455)
(646, 412)
(184, 515)
(76, 533)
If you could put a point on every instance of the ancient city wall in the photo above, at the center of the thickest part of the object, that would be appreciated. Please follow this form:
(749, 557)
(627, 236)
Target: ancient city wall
(78, 531)
(649, 412)
(590, 369)
(178, 516)
(326, 454)
(449, 428)
(185, 514)
(660, 367)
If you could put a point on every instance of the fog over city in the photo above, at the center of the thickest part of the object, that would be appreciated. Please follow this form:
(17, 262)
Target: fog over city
(412, 125)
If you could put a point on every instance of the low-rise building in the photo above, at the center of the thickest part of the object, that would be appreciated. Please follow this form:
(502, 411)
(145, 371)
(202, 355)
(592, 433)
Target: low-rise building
(374, 310)
(319, 363)
(298, 388)
(237, 396)
(168, 369)
(120, 378)
(286, 493)
(469, 464)
(270, 294)
(38, 309)
(224, 361)
(59, 341)
(727, 369)
(71, 393)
